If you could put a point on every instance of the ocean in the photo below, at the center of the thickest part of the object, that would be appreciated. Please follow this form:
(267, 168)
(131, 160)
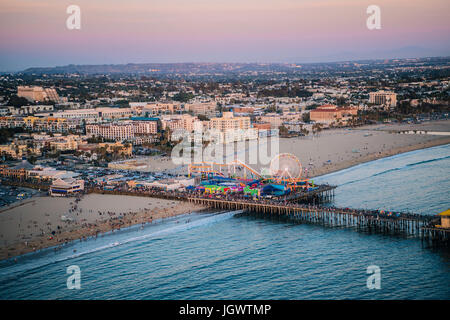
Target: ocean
(232, 255)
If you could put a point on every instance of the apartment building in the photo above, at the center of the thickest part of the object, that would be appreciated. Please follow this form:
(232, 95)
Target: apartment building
(120, 131)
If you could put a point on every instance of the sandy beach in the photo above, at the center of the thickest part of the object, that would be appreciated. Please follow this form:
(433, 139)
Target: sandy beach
(41, 222)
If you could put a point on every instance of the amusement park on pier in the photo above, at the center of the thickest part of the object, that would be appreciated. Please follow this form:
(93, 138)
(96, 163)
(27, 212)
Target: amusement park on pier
(283, 179)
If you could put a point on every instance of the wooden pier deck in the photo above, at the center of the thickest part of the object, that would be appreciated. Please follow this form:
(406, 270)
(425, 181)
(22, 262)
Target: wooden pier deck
(407, 224)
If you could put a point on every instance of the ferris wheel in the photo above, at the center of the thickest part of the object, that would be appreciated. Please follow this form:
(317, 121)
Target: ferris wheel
(286, 167)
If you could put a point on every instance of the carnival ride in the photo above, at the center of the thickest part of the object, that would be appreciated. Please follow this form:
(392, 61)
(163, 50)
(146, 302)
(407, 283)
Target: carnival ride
(286, 169)
(283, 177)
(235, 169)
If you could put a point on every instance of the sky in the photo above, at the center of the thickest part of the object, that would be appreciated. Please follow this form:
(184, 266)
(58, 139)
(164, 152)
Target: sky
(33, 33)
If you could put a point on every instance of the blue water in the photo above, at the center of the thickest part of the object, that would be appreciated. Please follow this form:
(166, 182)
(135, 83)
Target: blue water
(234, 256)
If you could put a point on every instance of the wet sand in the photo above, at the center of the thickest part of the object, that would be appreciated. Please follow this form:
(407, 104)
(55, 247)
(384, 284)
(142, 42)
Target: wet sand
(42, 222)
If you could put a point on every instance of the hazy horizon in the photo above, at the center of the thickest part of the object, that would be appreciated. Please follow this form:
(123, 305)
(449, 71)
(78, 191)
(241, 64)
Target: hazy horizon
(34, 34)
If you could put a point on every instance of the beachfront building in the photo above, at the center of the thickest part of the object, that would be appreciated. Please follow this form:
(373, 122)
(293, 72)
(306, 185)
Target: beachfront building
(66, 187)
(331, 114)
(262, 125)
(385, 98)
(276, 120)
(35, 93)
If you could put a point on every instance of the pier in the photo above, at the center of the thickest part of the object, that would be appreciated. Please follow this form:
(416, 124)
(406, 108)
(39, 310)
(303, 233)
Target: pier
(406, 224)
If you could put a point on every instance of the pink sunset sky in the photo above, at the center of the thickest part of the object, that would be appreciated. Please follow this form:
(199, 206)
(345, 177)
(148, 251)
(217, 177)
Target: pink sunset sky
(34, 33)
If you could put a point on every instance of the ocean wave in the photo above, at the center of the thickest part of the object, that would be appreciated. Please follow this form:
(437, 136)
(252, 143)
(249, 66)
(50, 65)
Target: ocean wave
(409, 165)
